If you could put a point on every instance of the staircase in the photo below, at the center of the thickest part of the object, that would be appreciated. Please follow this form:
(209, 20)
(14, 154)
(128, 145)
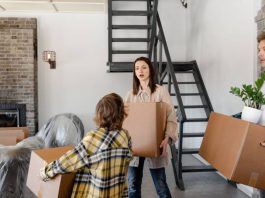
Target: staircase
(183, 79)
(129, 32)
(192, 116)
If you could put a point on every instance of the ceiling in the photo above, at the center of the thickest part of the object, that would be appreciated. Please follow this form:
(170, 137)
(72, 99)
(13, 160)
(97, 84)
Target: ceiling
(53, 6)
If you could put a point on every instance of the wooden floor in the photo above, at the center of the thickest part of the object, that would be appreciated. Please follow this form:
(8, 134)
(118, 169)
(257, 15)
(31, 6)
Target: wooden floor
(197, 185)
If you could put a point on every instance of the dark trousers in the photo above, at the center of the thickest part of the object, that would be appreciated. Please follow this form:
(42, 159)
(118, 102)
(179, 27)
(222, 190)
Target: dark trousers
(135, 175)
(262, 193)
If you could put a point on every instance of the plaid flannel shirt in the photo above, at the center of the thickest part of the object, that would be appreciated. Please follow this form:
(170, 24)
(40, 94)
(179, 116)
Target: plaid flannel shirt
(101, 161)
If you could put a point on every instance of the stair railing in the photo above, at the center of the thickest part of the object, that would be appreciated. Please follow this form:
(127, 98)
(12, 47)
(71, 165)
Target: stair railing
(169, 71)
(156, 50)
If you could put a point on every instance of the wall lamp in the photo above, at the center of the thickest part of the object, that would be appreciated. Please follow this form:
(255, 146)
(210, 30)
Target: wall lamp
(50, 57)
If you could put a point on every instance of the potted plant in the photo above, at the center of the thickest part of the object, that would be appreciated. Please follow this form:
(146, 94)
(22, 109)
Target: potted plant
(253, 98)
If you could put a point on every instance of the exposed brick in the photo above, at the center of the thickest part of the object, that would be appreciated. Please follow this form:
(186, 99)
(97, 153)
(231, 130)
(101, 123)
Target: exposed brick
(18, 68)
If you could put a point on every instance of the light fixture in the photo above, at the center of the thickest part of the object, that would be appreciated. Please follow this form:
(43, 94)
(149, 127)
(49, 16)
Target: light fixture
(50, 57)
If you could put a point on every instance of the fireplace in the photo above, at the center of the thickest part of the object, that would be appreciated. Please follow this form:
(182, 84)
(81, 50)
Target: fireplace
(13, 115)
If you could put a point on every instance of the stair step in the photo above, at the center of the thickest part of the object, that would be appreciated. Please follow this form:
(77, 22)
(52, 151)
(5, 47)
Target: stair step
(120, 67)
(187, 94)
(131, 13)
(196, 120)
(183, 72)
(193, 135)
(129, 0)
(130, 40)
(131, 26)
(189, 151)
(183, 66)
(202, 168)
(193, 106)
(191, 94)
(130, 52)
(187, 83)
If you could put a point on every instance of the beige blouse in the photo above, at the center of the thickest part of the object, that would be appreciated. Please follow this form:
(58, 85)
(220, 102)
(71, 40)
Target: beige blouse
(160, 95)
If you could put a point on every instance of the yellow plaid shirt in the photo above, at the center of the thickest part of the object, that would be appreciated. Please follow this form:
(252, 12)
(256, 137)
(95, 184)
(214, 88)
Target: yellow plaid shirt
(101, 161)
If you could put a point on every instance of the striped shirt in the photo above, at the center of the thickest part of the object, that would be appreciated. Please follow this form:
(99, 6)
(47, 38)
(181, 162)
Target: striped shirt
(101, 161)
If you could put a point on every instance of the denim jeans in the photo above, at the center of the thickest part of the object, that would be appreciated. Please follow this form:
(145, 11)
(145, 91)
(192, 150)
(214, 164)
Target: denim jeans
(135, 175)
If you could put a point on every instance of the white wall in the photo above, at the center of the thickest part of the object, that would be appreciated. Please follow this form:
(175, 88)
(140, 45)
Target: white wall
(81, 43)
(221, 37)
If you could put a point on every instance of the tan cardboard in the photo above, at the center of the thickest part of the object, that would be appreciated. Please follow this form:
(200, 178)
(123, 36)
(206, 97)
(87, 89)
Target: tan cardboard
(9, 140)
(20, 132)
(232, 146)
(146, 125)
(61, 186)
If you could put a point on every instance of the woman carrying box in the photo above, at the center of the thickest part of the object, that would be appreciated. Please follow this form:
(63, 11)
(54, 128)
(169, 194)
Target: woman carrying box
(146, 90)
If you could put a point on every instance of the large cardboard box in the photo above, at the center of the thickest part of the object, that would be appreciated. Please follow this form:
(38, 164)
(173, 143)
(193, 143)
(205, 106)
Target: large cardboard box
(232, 146)
(19, 132)
(9, 140)
(146, 124)
(61, 186)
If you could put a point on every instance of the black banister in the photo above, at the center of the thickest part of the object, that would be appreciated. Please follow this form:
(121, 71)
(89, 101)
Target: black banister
(153, 31)
(170, 68)
(110, 31)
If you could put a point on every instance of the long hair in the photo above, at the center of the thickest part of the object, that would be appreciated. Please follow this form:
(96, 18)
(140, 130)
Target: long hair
(152, 81)
(110, 112)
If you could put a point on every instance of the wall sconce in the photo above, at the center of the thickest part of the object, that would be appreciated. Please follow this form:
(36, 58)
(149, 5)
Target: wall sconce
(50, 57)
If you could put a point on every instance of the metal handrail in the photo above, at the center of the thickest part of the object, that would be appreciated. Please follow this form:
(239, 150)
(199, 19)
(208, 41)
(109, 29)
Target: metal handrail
(160, 38)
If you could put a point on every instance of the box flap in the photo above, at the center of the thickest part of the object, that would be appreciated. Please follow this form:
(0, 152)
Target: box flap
(51, 154)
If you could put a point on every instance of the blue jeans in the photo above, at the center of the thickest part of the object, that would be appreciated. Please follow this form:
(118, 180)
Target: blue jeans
(135, 175)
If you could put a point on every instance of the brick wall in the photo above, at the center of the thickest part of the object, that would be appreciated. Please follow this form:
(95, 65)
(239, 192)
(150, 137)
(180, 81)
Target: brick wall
(18, 66)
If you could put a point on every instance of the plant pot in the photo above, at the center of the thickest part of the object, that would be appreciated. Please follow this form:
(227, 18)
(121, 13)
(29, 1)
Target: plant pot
(251, 114)
(262, 117)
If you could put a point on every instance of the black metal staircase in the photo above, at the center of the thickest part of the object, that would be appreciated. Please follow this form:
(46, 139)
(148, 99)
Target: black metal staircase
(125, 44)
(178, 76)
(197, 108)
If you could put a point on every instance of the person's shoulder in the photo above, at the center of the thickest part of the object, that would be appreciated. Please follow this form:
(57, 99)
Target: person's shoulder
(130, 92)
(128, 96)
(94, 134)
(160, 88)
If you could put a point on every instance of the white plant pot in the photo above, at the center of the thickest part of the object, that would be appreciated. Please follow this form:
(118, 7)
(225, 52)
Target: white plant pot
(250, 114)
(262, 117)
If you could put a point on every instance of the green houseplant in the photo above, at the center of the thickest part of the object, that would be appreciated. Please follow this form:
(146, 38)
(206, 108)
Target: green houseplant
(253, 97)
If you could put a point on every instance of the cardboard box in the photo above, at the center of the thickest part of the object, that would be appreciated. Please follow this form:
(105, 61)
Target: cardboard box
(232, 146)
(9, 140)
(61, 186)
(20, 132)
(146, 124)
